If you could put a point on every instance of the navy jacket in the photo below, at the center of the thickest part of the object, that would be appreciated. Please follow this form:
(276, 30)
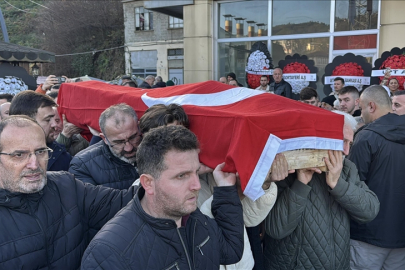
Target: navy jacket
(60, 159)
(135, 240)
(98, 166)
(379, 153)
(51, 229)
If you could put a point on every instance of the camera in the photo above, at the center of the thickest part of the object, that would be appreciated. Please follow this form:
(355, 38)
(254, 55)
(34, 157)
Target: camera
(61, 80)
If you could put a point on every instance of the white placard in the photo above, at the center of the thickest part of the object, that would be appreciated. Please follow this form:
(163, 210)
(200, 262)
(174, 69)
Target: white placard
(394, 72)
(349, 80)
(260, 72)
(307, 77)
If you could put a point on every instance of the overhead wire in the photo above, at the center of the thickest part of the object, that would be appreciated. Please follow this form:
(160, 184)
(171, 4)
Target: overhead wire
(18, 8)
(93, 52)
(39, 4)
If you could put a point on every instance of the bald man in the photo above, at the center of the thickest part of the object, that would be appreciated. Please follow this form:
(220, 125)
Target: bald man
(378, 151)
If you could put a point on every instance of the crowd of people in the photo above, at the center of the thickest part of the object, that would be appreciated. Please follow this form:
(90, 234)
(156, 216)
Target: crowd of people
(137, 197)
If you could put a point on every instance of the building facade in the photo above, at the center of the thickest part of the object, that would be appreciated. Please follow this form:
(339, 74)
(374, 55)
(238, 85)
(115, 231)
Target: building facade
(154, 43)
(218, 35)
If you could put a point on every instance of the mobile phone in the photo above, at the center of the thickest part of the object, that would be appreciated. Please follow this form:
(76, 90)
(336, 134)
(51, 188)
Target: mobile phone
(61, 79)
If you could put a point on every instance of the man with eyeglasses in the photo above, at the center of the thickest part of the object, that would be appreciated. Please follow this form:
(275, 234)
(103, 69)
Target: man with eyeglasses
(41, 108)
(112, 161)
(47, 219)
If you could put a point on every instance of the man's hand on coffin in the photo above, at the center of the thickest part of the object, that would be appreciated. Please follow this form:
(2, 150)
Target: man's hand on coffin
(305, 175)
(334, 164)
(279, 170)
(223, 179)
(204, 169)
(69, 129)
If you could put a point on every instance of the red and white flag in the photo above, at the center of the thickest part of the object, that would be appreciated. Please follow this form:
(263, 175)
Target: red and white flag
(244, 127)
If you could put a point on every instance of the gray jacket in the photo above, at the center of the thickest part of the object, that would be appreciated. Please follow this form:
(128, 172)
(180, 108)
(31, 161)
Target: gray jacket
(309, 226)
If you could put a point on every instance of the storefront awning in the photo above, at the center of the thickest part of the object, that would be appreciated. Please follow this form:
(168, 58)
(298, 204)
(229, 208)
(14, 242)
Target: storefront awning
(15, 53)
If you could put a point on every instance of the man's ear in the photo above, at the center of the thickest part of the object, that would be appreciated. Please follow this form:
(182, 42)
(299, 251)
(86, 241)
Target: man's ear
(148, 183)
(103, 137)
(373, 106)
(357, 101)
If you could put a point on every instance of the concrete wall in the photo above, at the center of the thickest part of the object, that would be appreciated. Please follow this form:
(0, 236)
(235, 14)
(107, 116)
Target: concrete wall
(392, 31)
(161, 38)
(198, 27)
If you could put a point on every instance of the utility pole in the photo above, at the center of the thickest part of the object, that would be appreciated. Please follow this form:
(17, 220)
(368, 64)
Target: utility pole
(3, 27)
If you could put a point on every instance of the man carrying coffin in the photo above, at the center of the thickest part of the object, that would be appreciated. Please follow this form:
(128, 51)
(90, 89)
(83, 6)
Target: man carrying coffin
(309, 226)
(162, 228)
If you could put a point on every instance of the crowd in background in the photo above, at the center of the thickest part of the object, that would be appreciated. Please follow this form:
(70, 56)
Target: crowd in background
(61, 195)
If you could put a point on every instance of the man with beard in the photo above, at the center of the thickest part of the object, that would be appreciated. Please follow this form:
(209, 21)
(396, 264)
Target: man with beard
(349, 100)
(378, 152)
(112, 161)
(40, 108)
(47, 219)
(162, 228)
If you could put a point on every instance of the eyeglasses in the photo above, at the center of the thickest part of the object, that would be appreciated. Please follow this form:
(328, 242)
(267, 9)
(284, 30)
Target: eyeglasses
(133, 140)
(22, 156)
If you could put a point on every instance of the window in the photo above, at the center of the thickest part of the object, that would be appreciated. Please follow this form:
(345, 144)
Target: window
(144, 72)
(175, 22)
(243, 19)
(143, 19)
(174, 52)
(356, 15)
(233, 58)
(300, 17)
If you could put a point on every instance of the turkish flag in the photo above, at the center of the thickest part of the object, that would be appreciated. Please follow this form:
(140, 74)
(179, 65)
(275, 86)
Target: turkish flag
(245, 128)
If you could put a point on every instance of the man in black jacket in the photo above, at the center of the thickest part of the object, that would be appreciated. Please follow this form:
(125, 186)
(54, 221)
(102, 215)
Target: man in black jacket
(379, 153)
(147, 84)
(111, 162)
(46, 219)
(40, 108)
(279, 86)
(162, 227)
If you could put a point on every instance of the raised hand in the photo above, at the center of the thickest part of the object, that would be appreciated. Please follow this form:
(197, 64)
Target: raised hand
(224, 179)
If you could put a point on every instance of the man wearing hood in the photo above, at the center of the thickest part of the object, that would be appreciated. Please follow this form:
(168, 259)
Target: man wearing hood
(232, 76)
(379, 152)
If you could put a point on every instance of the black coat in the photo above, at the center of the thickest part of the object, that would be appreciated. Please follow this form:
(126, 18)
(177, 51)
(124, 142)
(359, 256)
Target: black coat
(98, 166)
(282, 88)
(60, 159)
(135, 240)
(51, 229)
(379, 154)
(144, 85)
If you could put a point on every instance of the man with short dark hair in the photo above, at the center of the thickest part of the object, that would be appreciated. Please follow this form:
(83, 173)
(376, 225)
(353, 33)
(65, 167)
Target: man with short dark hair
(40, 108)
(309, 96)
(5, 98)
(349, 100)
(47, 218)
(378, 152)
(233, 83)
(112, 161)
(338, 84)
(398, 102)
(279, 86)
(162, 228)
(264, 84)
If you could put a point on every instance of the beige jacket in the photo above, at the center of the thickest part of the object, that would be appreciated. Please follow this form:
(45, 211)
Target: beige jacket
(254, 212)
